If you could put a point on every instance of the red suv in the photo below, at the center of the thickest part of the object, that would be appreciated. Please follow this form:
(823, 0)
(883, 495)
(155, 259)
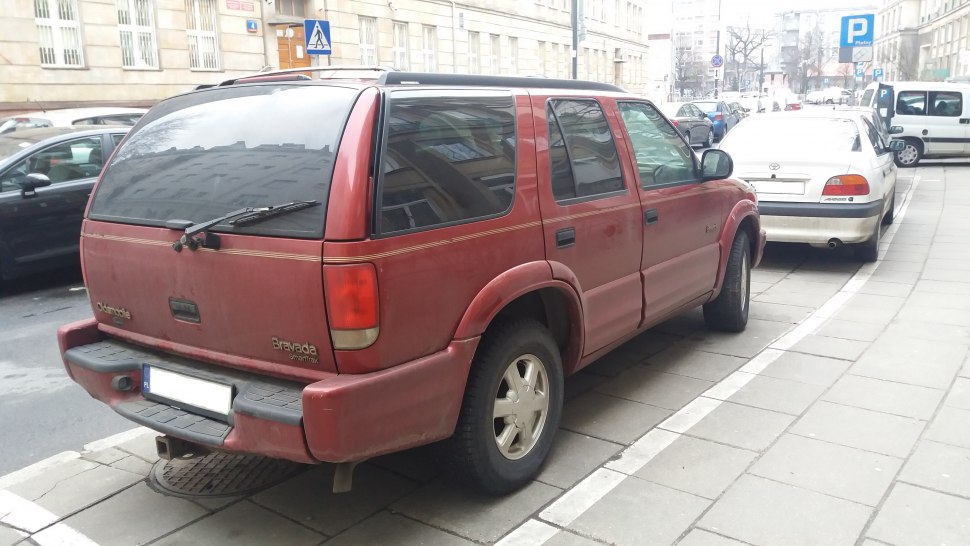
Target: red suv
(325, 271)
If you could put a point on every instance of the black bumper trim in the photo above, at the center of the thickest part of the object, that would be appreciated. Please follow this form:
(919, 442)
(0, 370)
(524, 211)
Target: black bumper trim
(821, 210)
(258, 396)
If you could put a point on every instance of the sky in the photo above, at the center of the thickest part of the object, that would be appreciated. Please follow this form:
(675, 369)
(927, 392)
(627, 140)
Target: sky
(761, 12)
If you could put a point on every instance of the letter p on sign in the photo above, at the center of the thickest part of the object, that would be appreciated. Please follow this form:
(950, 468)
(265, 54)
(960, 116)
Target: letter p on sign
(857, 30)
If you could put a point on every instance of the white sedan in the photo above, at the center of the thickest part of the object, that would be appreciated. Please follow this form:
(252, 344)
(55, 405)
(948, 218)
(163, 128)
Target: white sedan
(824, 177)
(72, 116)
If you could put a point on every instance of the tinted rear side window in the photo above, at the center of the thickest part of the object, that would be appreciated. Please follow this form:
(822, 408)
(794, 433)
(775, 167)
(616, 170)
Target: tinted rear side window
(449, 158)
(589, 147)
(199, 156)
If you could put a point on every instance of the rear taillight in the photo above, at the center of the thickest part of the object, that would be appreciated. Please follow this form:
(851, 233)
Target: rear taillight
(847, 184)
(352, 305)
(718, 116)
(675, 122)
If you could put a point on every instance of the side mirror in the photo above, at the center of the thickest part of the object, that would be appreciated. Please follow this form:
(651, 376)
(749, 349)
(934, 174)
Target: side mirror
(896, 129)
(715, 165)
(896, 145)
(28, 188)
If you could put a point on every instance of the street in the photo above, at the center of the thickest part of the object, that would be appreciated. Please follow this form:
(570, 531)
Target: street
(838, 417)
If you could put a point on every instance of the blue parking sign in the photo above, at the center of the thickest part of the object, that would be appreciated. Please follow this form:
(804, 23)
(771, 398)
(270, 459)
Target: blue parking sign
(857, 30)
(317, 34)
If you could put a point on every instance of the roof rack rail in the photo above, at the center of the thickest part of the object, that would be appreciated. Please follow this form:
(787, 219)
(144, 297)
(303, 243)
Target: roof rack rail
(301, 71)
(434, 78)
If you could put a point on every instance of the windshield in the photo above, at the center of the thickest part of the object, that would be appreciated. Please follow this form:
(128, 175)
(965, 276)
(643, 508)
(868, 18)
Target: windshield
(707, 106)
(820, 135)
(195, 158)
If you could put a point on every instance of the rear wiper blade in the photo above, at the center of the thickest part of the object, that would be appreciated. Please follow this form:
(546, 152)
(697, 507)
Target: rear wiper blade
(197, 235)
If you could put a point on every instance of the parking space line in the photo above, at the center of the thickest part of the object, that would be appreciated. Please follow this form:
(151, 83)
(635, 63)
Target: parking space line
(530, 533)
(116, 439)
(582, 496)
(26, 517)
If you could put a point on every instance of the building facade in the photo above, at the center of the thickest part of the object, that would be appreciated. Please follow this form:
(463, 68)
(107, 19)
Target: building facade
(59, 53)
(924, 39)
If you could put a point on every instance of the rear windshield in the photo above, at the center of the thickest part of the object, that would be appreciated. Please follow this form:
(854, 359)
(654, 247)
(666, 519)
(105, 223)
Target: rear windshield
(202, 155)
(707, 106)
(814, 135)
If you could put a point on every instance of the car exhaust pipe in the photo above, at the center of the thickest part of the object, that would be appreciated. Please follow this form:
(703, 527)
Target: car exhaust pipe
(834, 243)
(169, 448)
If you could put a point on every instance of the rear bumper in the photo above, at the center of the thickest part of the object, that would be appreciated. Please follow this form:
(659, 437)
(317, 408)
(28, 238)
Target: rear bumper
(818, 223)
(341, 418)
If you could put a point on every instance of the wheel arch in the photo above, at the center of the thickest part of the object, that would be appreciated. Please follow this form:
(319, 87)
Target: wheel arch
(744, 217)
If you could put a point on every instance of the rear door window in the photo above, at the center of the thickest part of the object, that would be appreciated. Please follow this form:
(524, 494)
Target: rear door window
(202, 155)
(585, 163)
(946, 104)
(911, 103)
(449, 158)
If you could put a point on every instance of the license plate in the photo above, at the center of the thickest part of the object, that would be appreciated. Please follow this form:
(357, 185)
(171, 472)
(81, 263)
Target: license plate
(790, 188)
(186, 392)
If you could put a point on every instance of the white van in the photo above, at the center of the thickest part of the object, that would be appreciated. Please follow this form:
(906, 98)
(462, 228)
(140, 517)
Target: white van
(932, 118)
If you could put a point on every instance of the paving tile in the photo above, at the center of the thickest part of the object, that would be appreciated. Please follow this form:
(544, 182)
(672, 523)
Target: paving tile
(947, 333)
(832, 347)
(610, 418)
(573, 456)
(939, 466)
(142, 446)
(808, 287)
(683, 325)
(785, 297)
(863, 429)
(959, 396)
(474, 516)
(846, 329)
(308, 497)
(650, 343)
(814, 370)
(885, 396)
(936, 300)
(70, 494)
(387, 528)
(664, 390)
(761, 511)
(790, 314)
(779, 395)
(905, 277)
(911, 360)
(683, 360)
(900, 266)
(758, 335)
(135, 516)
(242, 524)
(948, 275)
(881, 288)
(9, 537)
(581, 383)
(133, 464)
(105, 456)
(956, 317)
(697, 466)
(638, 512)
(759, 287)
(913, 515)
(614, 363)
(951, 426)
(840, 471)
(942, 286)
(700, 537)
(420, 464)
(742, 426)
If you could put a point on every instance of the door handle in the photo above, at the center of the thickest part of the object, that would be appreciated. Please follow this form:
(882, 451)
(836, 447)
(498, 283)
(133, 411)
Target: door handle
(651, 216)
(964, 121)
(565, 237)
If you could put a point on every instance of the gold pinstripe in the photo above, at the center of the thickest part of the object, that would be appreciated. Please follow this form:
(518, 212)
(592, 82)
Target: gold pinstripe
(368, 257)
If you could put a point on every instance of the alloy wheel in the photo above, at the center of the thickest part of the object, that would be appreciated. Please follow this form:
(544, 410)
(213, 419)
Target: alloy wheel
(521, 406)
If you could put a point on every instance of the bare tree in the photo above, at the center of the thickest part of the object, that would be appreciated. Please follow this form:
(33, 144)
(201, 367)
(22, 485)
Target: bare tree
(687, 68)
(846, 70)
(903, 59)
(743, 42)
(812, 56)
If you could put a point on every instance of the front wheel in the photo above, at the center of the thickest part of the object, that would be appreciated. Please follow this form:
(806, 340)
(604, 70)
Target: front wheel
(511, 410)
(710, 139)
(729, 311)
(910, 155)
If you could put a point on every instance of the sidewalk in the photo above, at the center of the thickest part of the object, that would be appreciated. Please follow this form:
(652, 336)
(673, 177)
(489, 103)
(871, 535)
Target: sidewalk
(841, 416)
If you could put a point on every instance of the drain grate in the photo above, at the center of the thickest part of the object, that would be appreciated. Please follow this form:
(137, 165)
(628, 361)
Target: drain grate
(220, 475)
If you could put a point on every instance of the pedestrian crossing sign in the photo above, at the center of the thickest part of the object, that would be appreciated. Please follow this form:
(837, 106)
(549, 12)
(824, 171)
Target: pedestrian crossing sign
(317, 33)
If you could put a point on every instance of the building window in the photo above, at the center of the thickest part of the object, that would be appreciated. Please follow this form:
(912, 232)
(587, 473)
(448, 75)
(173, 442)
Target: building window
(136, 25)
(430, 48)
(293, 8)
(474, 53)
(60, 38)
(200, 25)
(368, 41)
(493, 54)
(400, 48)
(514, 56)
(541, 58)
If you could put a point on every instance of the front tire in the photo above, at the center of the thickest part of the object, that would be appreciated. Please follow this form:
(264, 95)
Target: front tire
(709, 143)
(729, 311)
(511, 410)
(909, 156)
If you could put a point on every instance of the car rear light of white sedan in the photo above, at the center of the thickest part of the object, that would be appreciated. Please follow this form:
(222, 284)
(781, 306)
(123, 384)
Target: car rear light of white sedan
(847, 184)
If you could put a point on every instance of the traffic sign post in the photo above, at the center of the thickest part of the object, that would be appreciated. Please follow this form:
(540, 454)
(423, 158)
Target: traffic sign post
(317, 34)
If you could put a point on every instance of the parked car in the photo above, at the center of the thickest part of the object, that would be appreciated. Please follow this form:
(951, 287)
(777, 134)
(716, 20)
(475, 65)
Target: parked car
(840, 193)
(753, 104)
(46, 176)
(694, 124)
(720, 115)
(931, 118)
(428, 264)
(125, 117)
(740, 111)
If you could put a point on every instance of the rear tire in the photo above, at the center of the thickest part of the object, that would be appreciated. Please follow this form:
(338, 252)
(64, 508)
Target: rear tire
(891, 213)
(709, 143)
(869, 251)
(729, 311)
(909, 156)
(511, 409)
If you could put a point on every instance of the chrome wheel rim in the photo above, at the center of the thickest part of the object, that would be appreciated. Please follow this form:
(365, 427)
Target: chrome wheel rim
(907, 155)
(521, 406)
(744, 281)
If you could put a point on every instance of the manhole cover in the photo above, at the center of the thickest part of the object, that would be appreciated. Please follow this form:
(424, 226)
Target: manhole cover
(220, 475)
